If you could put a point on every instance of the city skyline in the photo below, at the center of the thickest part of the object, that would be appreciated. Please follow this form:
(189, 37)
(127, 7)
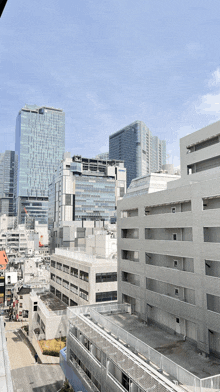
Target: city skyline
(109, 65)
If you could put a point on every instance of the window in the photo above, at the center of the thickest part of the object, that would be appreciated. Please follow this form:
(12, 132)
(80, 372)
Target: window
(73, 288)
(176, 291)
(106, 277)
(35, 306)
(52, 289)
(177, 320)
(125, 381)
(174, 237)
(65, 299)
(68, 200)
(43, 326)
(66, 284)
(175, 263)
(84, 276)
(59, 266)
(84, 294)
(20, 305)
(73, 303)
(52, 263)
(66, 268)
(20, 313)
(74, 272)
(21, 296)
(106, 296)
(173, 210)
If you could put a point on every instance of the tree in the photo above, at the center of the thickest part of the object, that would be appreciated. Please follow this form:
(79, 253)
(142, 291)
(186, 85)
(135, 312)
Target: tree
(66, 387)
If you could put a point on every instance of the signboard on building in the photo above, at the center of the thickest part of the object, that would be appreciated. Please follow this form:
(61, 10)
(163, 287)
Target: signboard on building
(2, 289)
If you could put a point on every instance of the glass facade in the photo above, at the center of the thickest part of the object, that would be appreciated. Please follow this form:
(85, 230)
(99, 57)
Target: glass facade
(141, 152)
(40, 144)
(94, 197)
(8, 182)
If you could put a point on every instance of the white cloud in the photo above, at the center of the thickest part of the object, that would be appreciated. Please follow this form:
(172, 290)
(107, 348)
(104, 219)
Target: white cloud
(209, 104)
(215, 79)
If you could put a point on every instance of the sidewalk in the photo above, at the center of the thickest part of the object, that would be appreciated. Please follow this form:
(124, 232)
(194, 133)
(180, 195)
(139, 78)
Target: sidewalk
(19, 354)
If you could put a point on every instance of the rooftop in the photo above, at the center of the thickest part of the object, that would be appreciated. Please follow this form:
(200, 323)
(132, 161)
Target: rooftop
(136, 348)
(83, 257)
(180, 351)
(24, 290)
(52, 302)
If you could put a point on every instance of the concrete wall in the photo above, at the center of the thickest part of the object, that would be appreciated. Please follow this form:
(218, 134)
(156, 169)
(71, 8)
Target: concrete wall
(191, 253)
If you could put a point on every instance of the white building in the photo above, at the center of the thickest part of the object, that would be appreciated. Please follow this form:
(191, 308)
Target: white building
(169, 246)
(47, 316)
(153, 182)
(110, 350)
(86, 277)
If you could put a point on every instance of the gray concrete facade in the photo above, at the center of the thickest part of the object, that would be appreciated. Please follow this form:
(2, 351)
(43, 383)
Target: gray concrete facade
(169, 247)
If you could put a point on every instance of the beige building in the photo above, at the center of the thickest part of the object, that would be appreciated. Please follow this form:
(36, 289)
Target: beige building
(169, 246)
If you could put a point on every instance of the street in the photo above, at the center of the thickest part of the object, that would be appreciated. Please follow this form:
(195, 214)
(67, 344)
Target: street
(28, 376)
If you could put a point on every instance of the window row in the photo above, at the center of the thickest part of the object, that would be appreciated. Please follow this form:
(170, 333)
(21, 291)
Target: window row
(95, 385)
(83, 275)
(207, 203)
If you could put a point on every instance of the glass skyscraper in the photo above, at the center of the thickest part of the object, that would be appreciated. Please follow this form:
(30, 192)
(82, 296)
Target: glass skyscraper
(40, 145)
(8, 182)
(141, 152)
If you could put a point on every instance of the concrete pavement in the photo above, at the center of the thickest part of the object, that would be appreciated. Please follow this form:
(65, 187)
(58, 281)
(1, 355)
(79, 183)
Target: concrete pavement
(19, 353)
(38, 378)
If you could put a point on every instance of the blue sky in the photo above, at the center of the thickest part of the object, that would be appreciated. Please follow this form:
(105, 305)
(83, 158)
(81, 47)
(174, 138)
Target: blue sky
(107, 63)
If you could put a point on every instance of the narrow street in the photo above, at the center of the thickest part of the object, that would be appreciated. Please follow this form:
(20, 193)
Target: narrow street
(19, 354)
(27, 376)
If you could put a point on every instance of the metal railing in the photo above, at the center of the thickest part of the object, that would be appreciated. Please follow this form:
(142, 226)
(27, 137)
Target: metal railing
(185, 378)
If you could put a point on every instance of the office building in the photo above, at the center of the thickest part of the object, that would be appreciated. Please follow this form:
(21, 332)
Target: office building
(169, 243)
(86, 277)
(83, 191)
(141, 152)
(40, 144)
(8, 182)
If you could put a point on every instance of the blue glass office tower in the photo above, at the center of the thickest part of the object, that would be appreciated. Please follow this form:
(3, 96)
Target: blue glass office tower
(40, 145)
(141, 152)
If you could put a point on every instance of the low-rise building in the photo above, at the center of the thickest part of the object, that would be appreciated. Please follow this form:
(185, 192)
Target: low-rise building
(47, 316)
(86, 277)
(109, 349)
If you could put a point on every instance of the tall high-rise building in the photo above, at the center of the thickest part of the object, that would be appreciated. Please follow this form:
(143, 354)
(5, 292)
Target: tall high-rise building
(141, 152)
(8, 182)
(40, 145)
